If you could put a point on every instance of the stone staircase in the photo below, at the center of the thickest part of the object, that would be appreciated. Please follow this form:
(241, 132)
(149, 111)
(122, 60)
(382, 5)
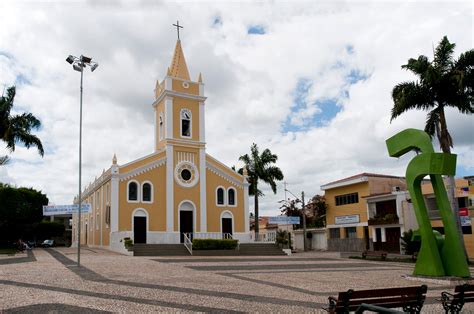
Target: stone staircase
(140, 249)
(260, 249)
(246, 249)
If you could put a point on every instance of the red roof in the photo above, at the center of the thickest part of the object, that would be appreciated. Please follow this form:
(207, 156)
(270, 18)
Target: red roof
(365, 174)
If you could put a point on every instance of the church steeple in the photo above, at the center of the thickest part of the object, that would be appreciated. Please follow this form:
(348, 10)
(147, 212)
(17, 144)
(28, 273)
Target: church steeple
(178, 67)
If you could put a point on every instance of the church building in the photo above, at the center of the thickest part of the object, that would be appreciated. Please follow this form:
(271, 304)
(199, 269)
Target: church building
(178, 189)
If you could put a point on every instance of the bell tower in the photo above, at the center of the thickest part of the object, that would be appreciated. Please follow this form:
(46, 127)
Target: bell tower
(179, 105)
(179, 130)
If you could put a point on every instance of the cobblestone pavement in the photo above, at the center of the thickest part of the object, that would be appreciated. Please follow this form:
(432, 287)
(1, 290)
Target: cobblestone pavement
(48, 281)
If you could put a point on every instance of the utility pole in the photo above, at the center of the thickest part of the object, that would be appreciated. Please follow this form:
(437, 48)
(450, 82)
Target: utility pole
(304, 221)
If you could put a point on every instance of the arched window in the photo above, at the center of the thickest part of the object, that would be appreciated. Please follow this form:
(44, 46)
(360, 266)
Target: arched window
(186, 123)
(147, 192)
(133, 191)
(161, 126)
(220, 196)
(231, 197)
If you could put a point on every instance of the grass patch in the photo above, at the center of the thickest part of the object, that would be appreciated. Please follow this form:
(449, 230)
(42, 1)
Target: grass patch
(7, 251)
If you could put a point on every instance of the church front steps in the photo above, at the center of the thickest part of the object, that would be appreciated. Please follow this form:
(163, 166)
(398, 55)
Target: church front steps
(140, 249)
(245, 249)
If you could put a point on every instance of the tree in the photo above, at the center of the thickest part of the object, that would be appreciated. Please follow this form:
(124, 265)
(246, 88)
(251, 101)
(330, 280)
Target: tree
(443, 82)
(21, 209)
(317, 207)
(260, 167)
(17, 128)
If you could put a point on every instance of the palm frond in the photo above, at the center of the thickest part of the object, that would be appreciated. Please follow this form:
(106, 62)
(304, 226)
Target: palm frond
(443, 56)
(417, 66)
(410, 95)
(4, 160)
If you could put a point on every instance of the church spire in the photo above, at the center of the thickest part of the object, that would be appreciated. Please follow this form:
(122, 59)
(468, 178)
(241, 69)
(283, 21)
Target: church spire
(178, 66)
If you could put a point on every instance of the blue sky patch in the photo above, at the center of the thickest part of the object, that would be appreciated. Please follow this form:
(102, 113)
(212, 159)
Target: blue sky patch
(217, 21)
(22, 80)
(326, 109)
(356, 76)
(462, 171)
(256, 30)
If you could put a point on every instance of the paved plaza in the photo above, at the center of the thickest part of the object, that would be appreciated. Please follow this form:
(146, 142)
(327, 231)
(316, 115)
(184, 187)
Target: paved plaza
(48, 280)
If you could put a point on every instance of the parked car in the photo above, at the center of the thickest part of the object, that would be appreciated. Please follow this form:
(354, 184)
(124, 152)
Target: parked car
(48, 243)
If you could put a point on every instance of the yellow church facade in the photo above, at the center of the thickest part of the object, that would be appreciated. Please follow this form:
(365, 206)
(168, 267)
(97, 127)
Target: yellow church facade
(178, 189)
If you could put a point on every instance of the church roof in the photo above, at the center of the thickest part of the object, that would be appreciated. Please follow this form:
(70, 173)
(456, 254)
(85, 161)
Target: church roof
(178, 66)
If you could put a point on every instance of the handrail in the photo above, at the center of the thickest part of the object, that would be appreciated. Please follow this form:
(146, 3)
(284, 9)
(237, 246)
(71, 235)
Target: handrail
(188, 244)
(212, 235)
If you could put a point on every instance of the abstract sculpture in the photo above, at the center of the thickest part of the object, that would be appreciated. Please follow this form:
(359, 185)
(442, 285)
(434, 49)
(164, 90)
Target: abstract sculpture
(447, 258)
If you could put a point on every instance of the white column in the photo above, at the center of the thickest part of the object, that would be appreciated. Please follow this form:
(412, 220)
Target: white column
(384, 237)
(169, 117)
(246, 206)
(202, 123)
(169, 189)
(202, 188)
(374, 234)
(114, 199)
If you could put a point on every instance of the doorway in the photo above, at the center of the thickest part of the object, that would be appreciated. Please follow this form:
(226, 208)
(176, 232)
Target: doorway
(227, 225)
(185, 223)
(139, 229)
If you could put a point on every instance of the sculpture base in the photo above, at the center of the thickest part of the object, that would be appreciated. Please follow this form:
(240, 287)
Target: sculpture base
(445, 280)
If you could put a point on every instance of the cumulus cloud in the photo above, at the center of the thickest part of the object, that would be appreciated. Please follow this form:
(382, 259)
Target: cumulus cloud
(349, 53)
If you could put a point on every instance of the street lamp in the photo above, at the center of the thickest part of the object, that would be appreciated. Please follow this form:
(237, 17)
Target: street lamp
(304, 215)
(78, 64)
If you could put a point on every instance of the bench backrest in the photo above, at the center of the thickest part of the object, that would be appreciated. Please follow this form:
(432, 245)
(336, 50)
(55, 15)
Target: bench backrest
(404, 297)
(464, 293)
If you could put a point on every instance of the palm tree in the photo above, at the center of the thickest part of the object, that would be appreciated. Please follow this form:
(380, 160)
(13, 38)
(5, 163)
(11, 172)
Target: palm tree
(260, 167)
(443, 82)
(17, 128)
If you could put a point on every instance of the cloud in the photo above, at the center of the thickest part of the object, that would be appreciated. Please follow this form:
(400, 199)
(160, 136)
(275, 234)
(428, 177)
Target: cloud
(348, 53)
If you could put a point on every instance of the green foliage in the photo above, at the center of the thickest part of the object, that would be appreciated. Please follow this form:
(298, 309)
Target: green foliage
(214, 244)
(21, 209)
(49, 229)
(443, 82)
(409, 244)
(315, 211)
(260, 167)
(128, 242)
(17, 128)
(282, 237)
(383, 220)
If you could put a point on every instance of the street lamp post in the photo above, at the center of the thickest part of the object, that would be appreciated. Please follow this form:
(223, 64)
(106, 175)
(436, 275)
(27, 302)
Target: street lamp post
(78, 64)
(303, 212)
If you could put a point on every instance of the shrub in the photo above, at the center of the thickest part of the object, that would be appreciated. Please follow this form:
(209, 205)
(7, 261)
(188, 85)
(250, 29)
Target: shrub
(128, 243)
(214, 244)
(409, 245)
(282, 237)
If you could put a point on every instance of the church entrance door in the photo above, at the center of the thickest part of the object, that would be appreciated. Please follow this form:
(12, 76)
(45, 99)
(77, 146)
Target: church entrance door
(227, 225)
(139, 229)
(185, 223)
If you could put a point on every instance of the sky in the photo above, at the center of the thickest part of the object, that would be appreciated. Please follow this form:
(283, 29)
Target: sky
(309, 80)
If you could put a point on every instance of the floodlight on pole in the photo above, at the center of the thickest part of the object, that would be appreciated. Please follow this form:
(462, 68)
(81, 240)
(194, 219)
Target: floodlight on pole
(78, 64)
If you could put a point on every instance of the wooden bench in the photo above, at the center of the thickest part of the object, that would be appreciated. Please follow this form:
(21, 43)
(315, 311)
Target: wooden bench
(381, 254)
(453, 303)
(410, 299)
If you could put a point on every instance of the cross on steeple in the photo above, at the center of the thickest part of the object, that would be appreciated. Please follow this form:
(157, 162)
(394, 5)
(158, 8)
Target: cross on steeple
(177, 27)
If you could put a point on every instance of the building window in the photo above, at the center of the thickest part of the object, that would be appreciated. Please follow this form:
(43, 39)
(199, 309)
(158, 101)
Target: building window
(186, 123)
(146, 192)
(133, 191)
(351, 232)
(334, 233)
(161, 126)
(220, 196)
(107, 216)
(231, 197)
(347, 199)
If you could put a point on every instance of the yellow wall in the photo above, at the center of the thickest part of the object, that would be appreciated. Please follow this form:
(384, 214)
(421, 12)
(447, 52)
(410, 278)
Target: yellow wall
(193, 88)
(185, 193)
(156, 210)
(193, 106)
(214, 212)
(359, 208)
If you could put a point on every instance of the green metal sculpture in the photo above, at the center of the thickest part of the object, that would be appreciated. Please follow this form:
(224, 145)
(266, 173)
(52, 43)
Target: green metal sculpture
(447, 259)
